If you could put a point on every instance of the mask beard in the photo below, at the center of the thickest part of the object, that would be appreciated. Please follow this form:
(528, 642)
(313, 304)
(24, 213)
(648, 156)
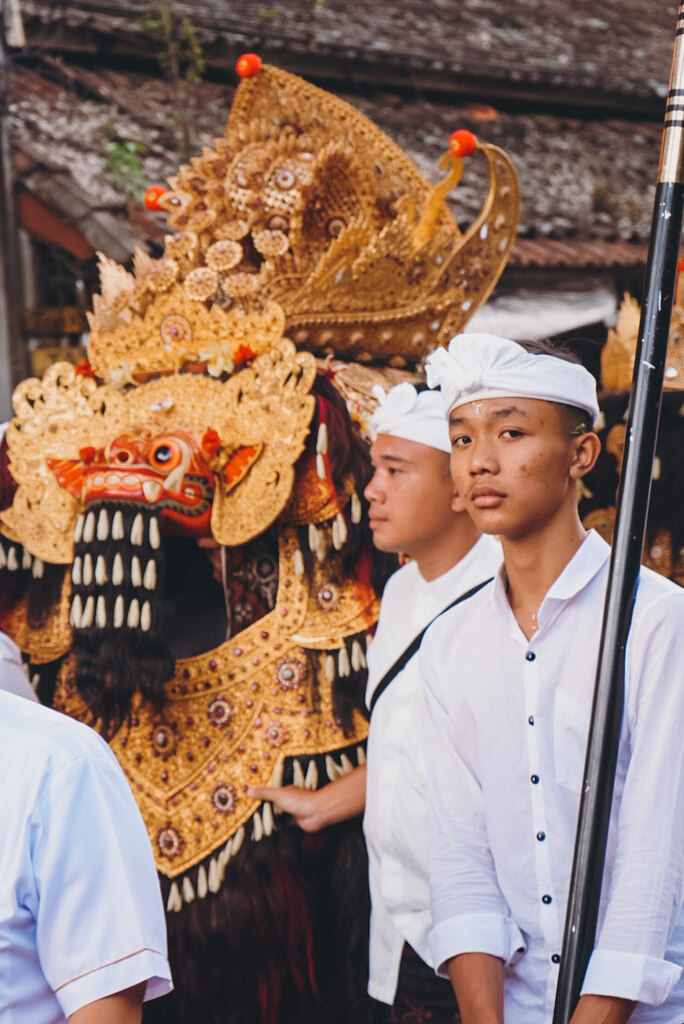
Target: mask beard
(119, 613)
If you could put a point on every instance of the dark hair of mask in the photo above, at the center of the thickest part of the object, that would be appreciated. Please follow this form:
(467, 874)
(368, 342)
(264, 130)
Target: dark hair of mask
(574, 419)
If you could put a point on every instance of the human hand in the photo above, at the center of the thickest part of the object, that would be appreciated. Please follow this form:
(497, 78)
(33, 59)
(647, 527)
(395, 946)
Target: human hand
(302, 804)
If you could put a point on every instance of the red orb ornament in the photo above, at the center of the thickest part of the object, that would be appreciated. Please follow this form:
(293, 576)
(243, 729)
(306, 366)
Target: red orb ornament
(248, 64)
(152, 197)
(462, 142)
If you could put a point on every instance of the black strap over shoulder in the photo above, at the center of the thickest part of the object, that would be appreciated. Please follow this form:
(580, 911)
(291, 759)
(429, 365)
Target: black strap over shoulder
(404, 658)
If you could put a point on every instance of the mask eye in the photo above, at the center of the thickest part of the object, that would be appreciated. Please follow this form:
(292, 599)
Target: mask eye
(123, 456)
(165, 455)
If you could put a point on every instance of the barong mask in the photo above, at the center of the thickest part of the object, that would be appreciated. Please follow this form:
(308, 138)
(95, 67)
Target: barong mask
(199, 412)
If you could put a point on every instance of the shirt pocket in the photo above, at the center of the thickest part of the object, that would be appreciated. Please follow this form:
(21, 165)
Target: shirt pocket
(570, 732)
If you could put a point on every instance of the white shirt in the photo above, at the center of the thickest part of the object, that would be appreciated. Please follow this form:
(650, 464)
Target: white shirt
(12, 675)
(395, 821)
(507, 721)
(80, 909)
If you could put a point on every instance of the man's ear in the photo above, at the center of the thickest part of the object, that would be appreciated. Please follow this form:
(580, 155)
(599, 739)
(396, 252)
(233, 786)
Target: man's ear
(587, 449)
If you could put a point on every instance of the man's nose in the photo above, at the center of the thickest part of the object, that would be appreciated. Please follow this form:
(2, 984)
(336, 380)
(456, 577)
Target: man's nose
(482, 457)
(373, 491)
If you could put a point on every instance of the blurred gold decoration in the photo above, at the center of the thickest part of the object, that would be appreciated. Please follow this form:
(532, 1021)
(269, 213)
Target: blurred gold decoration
(619, 352)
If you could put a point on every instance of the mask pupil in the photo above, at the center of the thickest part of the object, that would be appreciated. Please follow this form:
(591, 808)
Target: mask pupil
(162, 454)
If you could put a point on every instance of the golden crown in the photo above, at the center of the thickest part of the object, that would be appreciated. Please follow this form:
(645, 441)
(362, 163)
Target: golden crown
(304, 217)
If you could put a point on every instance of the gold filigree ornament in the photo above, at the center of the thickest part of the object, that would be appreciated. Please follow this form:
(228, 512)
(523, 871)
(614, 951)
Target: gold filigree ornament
(308, 204)
(619, 352)
(234, 715)
(266, 408)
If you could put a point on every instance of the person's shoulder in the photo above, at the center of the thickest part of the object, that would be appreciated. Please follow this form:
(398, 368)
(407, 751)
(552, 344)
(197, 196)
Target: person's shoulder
(47, 733)
(453, 624)
(399, 589)
(654, 589)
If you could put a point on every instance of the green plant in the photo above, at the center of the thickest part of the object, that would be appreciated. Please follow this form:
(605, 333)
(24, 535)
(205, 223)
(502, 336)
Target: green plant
(122, 160)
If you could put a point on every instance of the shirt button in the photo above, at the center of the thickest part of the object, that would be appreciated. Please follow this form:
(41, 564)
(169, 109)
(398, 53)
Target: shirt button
(534, 779)
(541, 836)
(530, 656)
(546, 899)
(555, 959)
(531, 719)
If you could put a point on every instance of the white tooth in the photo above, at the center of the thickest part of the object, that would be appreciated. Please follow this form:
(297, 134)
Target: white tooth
(343, 666)
(117, 570)
(188, 891)
(277, 777)
(322, 440)
(76, 612)
(100, 571)
(174, 902)
(78, 529)
(133, 619)
(257, 828)
(332, 769)
(358, 658)
(347, 766)
(202, 885)
(341, 528)
(369, 640)
(38, 568)
(311, 780)
(119, 612)
(103, 525)
(298, 563)
(330, 672)
(320, 466)
(76, 571)
(12, 560)
(238, 840)
(360, 755)
(88, 613)
(313, 537)
(3, 557)
(101, 613)
(337, 543)
(356, 508)
(146, 617)
(322, 549)
(26, 559)
(150, 577)
(136, 572)
(137, 530)
(297, 774)
(89, 528)
(155, 538)
(117, 526)
(267, 816)
(35, 682)
(87, 569)
(224, 857)
(214, 879)
(151, 490)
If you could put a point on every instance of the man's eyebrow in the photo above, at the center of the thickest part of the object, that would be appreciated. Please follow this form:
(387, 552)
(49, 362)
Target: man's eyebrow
(393, 458)
(510, 410)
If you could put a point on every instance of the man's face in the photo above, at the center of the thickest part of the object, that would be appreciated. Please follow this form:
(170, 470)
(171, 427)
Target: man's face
(513, 461)
(411, 495)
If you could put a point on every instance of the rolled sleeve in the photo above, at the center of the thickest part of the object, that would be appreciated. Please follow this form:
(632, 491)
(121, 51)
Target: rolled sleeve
(100, 925)
(475, 933)
(644, 979)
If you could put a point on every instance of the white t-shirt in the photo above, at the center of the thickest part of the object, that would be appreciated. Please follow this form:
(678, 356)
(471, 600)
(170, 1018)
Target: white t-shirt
(12, 676)
(506, 737)
(81, 916)
(395, 821)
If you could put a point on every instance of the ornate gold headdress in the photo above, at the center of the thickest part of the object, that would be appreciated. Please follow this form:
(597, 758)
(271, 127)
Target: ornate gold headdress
(619, 352)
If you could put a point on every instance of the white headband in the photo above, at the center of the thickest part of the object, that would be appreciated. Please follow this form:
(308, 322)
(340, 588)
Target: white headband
(404, 412)
(479, 366)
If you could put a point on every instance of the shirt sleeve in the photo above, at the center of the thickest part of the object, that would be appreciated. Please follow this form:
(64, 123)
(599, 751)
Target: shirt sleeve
(100, 924)
(469, 912)
(645, 888)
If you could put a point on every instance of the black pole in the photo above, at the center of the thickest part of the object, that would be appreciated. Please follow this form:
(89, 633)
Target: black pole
(632, 508)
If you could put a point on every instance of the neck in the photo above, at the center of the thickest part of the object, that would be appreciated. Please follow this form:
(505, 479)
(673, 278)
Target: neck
(533, 563)
(445, 551)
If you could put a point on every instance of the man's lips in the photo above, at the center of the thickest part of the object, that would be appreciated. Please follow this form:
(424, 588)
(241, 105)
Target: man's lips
(486, 497)
(374, 520)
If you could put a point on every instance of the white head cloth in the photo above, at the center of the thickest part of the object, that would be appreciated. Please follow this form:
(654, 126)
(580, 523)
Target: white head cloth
(414, 416)
(479, 366)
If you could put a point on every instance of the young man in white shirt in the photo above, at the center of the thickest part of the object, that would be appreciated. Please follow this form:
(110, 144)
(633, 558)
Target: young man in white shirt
(509, 683)
(82, 929)
(412, 511)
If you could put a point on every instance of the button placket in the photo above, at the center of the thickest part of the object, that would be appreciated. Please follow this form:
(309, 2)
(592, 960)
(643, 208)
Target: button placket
(543, 879)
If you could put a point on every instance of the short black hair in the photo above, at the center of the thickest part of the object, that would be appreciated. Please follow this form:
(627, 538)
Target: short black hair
(575, 419)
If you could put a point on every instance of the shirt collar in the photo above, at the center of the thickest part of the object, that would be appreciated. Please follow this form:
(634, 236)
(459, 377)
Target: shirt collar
(588, 560)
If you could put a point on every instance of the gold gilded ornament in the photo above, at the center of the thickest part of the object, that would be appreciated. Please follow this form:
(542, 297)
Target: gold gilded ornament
(619, 352)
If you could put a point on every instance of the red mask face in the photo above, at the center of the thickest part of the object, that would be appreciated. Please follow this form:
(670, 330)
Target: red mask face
(168, 470)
